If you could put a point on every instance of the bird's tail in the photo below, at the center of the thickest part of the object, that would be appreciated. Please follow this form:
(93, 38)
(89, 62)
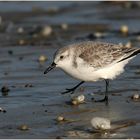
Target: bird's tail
(131, 53)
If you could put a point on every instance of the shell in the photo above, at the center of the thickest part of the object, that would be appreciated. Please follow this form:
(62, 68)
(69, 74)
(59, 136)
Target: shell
(23, 127)
(101, 123)
(136, 96)
(80, 98)
(124, 29)
(42, 58)
(46, 31)
(60, 118)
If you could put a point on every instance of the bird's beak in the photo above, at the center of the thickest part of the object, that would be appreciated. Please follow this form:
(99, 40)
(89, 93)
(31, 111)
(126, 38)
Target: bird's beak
(52, 66)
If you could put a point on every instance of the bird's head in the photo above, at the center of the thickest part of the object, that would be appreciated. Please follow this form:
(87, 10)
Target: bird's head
(61, 59)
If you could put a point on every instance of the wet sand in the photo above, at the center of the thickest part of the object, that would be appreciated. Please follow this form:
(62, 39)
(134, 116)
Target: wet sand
(35, 99)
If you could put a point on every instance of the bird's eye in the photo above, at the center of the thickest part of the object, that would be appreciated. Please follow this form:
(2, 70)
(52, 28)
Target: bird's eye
(61, 57)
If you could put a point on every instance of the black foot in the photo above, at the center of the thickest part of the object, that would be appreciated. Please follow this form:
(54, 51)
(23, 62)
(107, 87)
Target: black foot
(103, 100)
(69, 90)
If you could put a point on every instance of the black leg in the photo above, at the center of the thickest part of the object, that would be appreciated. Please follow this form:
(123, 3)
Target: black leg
(106, 93)
(72, 89)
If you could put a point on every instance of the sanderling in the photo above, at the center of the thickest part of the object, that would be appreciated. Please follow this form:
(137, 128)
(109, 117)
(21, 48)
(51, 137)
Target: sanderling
(91, 61)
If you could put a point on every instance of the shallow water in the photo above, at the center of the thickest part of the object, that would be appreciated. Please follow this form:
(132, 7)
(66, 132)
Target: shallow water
(39, 105)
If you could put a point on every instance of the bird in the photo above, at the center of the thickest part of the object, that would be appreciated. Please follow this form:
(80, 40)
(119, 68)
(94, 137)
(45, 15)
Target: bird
(91, 61)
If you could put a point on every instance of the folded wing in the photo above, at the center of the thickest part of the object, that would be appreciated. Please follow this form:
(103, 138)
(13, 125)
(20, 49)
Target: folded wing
(98, 54)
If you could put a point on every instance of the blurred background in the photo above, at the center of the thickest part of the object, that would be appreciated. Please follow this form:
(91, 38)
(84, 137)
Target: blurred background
(30, 33)
(41, 23)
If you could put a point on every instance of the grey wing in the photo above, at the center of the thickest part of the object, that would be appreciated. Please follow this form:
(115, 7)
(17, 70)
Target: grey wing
(100, 55)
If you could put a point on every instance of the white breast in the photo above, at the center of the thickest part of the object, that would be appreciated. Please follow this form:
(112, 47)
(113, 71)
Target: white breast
(87, 73)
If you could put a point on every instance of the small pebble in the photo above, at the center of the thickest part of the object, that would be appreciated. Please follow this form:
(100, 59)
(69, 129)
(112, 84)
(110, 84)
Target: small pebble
(10, 52)
(101, 123)
(5, 90)
(58, 137)
(43, 104)
(23, 127)
(2, 110)
(78, 100)
(99, 34)
(20, 30)
(6, 73)
(21, 58)
(124, 29)
(60, 118)
(64, 26)
(28, 85)
(91, 36)
(135, 97)
(46, 31)
(42, 58)
(22, 42)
